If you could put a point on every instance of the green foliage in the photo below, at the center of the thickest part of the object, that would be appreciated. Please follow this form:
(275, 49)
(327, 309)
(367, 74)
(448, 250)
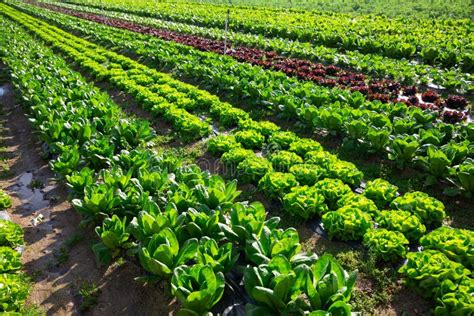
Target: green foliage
(10, 260)
(283, 160)
(283, 139)
(5, 201)
(402, 221)
(347, 223)
(249, 139)
(307, 174)
(332, 190)
(428, 209)
(381, 192)
(252, 169)
(277, 184)
(271, 243)
(221, 258)
(305, 202)
(162, 254)
(11, 234)
(303, 146)
(455, 243)
(236, 155)
(222, 144)
(14, 289)
(428, 269)
(359, 201)
(385, 244)
(347, 172)
(197, 287)
(114, 236)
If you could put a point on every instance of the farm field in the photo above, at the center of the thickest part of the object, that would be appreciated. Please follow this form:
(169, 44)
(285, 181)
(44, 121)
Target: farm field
(312, 158)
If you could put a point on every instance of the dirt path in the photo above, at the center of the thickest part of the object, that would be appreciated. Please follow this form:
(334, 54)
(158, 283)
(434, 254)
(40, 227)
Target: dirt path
(57, 253)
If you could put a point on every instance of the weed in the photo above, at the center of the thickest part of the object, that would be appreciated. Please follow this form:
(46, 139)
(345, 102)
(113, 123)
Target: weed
(90, 295)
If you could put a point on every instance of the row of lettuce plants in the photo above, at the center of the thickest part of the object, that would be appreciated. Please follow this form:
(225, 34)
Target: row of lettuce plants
(408, 135)
(438, 42)
(181, 224)
(374, 65)
(14, 284)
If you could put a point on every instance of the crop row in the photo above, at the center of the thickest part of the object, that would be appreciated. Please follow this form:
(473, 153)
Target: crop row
(287, 148)
(434, 41)
(100, 202)
(408, 135)
(14, 284)
(181, 223)
(371, 64)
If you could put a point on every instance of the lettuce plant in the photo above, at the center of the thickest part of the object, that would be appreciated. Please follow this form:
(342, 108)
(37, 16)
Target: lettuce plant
(197, 287)
(402, 149)
(14, 289)
(236, 155)
(146, 224)
(221, 144)
(304, 202)
(5, 201)
(283, 160)
(402, 221)
(273, 242)
(252, 169)
(428, 209)
(10, 260)
(282, 139)
(277, 184)
(332, 190)
(455, 298)
(11, 234)
(381, 192)
(79, 180)
(221, 258)
(347, 172)
(385, 244)
(97, 203)
(347, 223)
(426, 270)
(114, 236)
(162, 254)
(455, 243)
(320, 158)
(245, 222)
(250, 139)
(307, 174)
(304, 145)
(272, 287)
(359, 201)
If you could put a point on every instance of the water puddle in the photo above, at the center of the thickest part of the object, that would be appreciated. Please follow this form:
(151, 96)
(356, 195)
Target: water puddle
(32, 199)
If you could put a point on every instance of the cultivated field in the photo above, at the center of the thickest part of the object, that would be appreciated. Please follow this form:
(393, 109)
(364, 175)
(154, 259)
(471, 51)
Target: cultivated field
(245, 158)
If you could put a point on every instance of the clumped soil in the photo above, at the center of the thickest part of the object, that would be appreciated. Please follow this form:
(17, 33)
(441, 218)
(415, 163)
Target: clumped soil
(57, 253)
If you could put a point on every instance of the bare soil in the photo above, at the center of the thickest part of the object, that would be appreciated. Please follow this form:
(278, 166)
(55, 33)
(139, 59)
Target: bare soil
(57, 252)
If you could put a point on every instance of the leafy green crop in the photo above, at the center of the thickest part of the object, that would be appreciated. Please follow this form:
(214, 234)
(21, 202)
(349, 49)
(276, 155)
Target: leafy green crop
(347, 172)
(222, 144)
(402, 221)
(426, 271)
(428, 209)
(197, 287)
(381, 192)
(5, 201)
(456, 244)
(332, 190)
(162, 254)
(347, 223)
(308, 174)
(385, 244)
(252, 169)
(359, 201)
(10, 260)
(14, 289)
(221, 258)
(249, 139)
(305, 202)
(283, 160)
(11, 234)
(277, 184)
